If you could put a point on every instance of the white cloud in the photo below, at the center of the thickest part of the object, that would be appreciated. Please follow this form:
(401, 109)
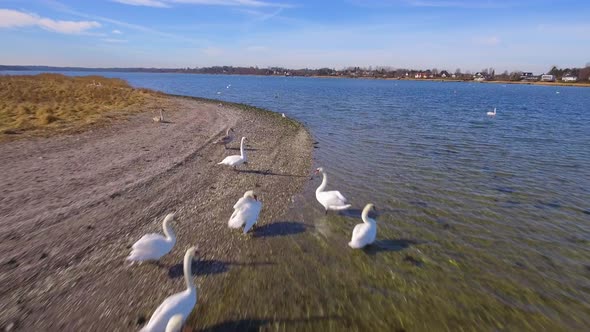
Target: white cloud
(14, 19)
(148, 3)
(116, 32)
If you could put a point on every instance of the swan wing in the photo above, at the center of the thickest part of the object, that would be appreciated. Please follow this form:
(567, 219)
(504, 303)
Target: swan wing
(332, 199)
(237, 219)
(178, 304)
(231, 160)
(175, 323)
(360, 236)
(240, 202)
(154, 248)
(147, 239)
(339, 195)
(251, 213)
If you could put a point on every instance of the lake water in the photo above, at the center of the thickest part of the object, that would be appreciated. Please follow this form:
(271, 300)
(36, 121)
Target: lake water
(493, 213)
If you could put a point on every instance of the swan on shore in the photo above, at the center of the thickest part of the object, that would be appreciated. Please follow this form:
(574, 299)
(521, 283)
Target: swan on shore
(365, 233)
(159, 118)
(178, 305)
(492, 113)
(246, 212)
(153, 246)
(331, 200)
(236, 160)
(283, 114)
(228, 138)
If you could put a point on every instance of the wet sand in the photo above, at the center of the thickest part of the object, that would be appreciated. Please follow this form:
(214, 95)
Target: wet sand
(71, 206)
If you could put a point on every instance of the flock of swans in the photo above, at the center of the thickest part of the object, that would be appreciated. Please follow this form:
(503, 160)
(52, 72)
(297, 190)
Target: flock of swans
(174, 310)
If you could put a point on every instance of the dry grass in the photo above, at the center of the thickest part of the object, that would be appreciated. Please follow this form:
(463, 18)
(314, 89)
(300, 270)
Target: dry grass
(49, 103)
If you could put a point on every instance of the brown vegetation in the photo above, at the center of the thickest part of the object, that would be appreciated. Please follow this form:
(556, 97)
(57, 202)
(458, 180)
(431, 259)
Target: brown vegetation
(52, 102)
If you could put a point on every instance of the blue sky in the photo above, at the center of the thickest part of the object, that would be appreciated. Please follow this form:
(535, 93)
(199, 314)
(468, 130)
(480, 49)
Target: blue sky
(446, 34)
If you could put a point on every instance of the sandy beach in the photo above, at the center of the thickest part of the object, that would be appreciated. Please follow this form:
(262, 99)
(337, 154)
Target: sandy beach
(72, 206)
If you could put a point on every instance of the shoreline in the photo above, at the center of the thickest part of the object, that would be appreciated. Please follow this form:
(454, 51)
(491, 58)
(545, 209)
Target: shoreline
(74, 203)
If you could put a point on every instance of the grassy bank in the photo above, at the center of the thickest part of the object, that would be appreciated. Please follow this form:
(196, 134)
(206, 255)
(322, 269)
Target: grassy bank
(46, 103)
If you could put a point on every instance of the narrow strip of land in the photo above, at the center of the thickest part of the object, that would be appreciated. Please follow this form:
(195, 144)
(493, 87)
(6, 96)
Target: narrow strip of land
(72, 205)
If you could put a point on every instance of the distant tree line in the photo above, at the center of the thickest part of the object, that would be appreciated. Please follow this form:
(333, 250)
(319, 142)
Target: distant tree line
(583, 74)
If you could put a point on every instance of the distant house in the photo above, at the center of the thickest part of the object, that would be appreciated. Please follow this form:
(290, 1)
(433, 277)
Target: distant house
(527, 76)
(569, 78)
(444, 74)
(479, 77)
(547, 78)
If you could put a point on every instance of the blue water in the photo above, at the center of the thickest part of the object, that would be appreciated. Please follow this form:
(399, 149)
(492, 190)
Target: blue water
(492, 193)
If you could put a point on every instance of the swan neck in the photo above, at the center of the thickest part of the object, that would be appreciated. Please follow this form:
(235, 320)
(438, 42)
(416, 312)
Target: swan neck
(365, 216)
(242, 152)
(188, 271)
(324, 183)
(168, 230)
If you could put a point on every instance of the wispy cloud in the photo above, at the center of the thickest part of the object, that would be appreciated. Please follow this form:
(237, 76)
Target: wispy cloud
(13, 19)
(148, 3)
(229, 3)
(116, 32)
(465, 4)
(114, 40)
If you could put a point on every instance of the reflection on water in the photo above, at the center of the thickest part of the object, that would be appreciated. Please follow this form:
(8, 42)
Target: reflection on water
(496, 209)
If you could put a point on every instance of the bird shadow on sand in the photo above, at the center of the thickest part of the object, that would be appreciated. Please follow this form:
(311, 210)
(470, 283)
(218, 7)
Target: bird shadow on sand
(389, 245)
(268, 172)
(280, 228)
(209, 267)
(257, 324)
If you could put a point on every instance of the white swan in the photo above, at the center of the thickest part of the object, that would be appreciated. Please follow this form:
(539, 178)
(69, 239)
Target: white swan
(331, 200)
(175, 323)
(228, 138)
(492, 113)
(365, 233)
(236, 160)
(159, 118)
(283, 114)
(246, 212)
(153, 246)
(179, 304)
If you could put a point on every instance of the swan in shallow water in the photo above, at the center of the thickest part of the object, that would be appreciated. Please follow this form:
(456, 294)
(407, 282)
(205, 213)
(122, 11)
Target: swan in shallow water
(365, 233)
(180, 304)
(159, 118)
(175, 323)
(246, 212)
(492, 113)
(331, 200)
(236, 160)
(153, 246)
(228, 138)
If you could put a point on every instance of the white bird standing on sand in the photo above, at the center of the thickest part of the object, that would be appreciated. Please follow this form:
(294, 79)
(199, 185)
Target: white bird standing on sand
(159, 118)
(180, 304)
(175, 323)
(153, 246)
(284, 116)
(246, 212)
(492, 113)
(331, 200)
(236, 160)
(228, 138)
(365, 233)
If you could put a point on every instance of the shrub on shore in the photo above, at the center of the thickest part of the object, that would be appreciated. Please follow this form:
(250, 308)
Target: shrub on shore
(46, 102)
